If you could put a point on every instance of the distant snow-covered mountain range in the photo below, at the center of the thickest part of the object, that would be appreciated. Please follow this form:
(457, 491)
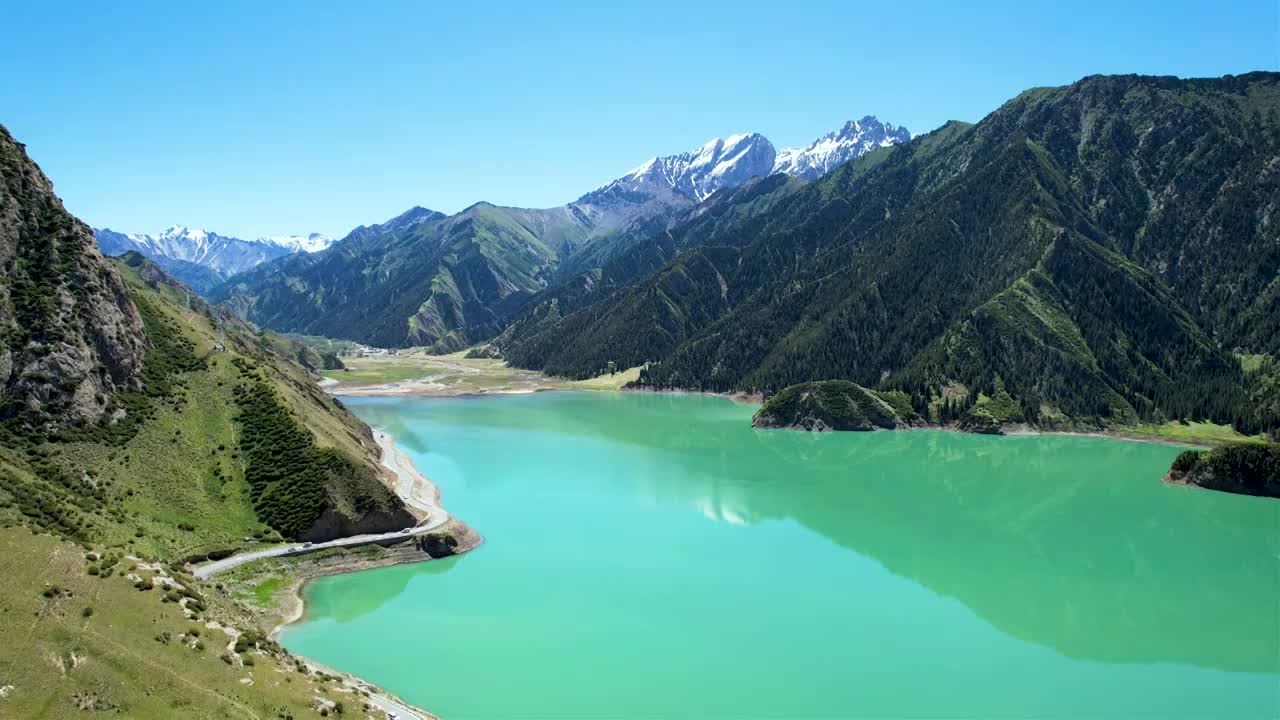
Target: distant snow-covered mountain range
(202, 259)
(642, 199)
(728, 162)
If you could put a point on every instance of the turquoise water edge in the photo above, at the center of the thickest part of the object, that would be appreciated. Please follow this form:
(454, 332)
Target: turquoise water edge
(653, 556)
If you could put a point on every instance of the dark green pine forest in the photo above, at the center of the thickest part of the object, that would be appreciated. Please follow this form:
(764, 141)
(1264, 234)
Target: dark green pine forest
(1092, 255)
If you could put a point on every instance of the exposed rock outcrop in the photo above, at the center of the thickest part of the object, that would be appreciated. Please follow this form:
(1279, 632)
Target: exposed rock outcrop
(333, 523)
(69, 335)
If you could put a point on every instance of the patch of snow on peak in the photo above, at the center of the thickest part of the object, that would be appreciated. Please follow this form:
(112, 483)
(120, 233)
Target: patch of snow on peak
(828, 152)
(313, 242)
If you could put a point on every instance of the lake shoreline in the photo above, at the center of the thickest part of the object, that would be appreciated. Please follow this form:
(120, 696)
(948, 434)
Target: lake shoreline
(340, 389)
(394, 460)
(307, 570)
(409, 483)
(676, 485)
(757, 399)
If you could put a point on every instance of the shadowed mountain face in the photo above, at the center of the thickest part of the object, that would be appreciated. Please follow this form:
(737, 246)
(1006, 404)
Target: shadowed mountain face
(1100, 248)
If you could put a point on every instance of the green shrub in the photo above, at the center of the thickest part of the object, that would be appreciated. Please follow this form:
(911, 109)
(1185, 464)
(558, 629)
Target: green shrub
(1187, 461)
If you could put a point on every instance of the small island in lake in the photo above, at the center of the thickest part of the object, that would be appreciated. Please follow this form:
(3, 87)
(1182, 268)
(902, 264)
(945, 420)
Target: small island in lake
(1242, 468)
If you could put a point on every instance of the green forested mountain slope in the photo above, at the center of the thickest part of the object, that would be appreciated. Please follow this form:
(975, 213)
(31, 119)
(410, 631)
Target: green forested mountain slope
(446, 282)
(440, 281)
(1105, 250)
(140, 426)
(117, 376)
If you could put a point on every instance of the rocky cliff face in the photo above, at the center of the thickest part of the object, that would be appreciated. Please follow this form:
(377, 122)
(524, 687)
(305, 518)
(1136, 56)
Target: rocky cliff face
(69, 334)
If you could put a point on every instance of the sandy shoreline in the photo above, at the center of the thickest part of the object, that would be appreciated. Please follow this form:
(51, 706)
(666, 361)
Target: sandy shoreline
(415, 389)
(744, 398)
(411, 389)
(1115, 435)
(414, 488)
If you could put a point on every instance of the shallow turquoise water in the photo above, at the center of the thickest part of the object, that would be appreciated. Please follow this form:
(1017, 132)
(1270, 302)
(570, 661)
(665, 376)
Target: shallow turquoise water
(653, 556)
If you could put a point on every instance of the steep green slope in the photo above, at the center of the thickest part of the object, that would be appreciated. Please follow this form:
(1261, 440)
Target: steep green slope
(439, 281)
(648, 296)
(96, 631)
(224, 439)
(310, 467)
(448, 282)
(142, 426)
(1104, 249)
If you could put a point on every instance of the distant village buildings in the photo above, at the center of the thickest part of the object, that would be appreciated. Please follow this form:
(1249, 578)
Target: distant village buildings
(364, 351)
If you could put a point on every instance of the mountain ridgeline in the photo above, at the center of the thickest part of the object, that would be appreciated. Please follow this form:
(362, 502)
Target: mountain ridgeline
(1091, 255)
(203, 260)
(448, 282)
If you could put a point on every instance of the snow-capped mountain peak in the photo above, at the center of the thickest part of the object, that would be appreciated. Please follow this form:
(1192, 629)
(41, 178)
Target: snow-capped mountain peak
(314, 242)
(200, 257)
(823, 155)
(190, 243)
(718, 163)
(730, 161)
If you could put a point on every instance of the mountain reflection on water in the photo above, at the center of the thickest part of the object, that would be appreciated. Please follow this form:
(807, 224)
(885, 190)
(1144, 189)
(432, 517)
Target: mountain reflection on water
(1033, 534)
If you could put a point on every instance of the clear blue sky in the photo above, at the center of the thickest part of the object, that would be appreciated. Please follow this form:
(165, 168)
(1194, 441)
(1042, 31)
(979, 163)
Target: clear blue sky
(278, 117)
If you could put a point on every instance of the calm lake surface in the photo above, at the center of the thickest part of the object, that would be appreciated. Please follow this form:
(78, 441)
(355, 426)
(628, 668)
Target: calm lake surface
(653, 556)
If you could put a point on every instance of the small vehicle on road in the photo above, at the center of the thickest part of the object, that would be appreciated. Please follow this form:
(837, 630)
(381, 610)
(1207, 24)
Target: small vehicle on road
(406, 531)
(306, 544)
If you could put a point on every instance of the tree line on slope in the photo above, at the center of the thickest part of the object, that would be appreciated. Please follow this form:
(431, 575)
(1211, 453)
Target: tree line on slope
(1094, 246)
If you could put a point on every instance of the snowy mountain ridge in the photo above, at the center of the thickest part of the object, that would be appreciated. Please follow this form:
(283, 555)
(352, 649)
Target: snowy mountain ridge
(823, 155)
(728, 162)
(201, 258)
(196, 245)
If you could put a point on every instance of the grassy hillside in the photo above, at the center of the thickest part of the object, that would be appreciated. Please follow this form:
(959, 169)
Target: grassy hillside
(108, 508)
(141, 427)
(94, 630)
(1104, 250)
(182, 473)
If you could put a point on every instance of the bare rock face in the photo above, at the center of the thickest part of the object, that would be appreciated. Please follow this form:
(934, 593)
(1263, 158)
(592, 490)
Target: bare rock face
(333, 523)
(69, 334)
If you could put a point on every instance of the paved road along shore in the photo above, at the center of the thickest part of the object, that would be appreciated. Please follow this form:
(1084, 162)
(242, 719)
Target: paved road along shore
(413, 488)
(437, 518)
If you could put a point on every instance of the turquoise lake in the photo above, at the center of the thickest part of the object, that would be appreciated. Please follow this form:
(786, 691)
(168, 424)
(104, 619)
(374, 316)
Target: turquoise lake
(653, 556)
